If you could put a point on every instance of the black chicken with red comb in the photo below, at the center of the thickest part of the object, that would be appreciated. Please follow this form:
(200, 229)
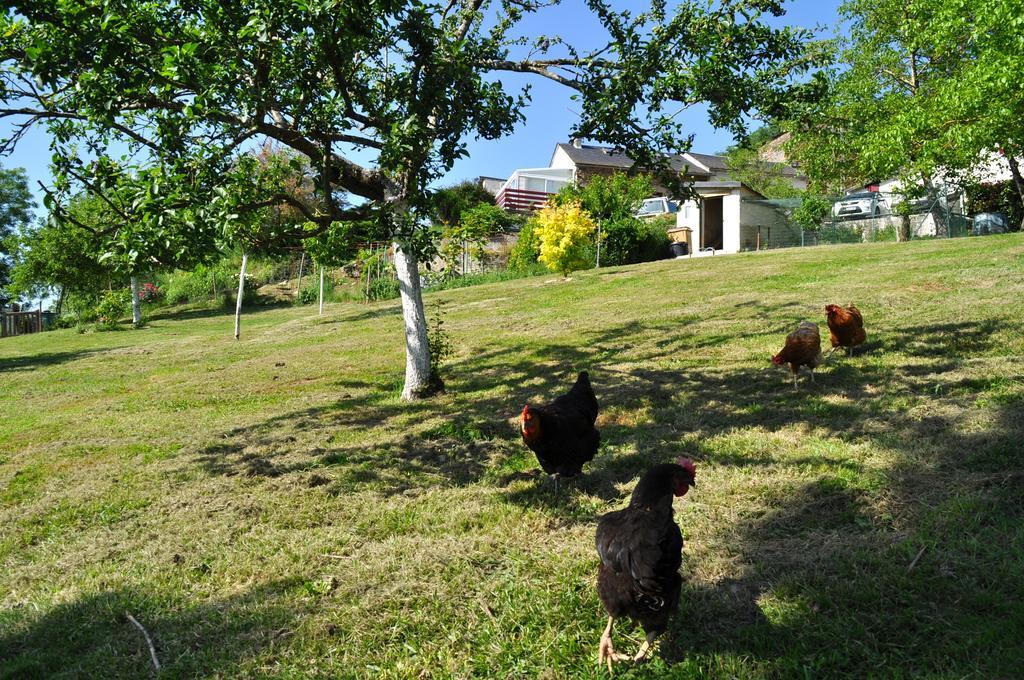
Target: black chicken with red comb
(562, 433)
(641, 550)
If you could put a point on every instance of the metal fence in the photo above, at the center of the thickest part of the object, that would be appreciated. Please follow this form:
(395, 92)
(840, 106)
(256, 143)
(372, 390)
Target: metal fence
(768, 224)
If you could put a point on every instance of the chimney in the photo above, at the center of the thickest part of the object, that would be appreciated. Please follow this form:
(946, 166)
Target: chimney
(576, 143)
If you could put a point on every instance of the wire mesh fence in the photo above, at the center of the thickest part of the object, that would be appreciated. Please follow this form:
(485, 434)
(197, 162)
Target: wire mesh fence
(768, 224)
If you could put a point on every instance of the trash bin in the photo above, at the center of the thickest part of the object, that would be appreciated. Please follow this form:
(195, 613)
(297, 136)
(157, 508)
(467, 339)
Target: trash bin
(679, 249)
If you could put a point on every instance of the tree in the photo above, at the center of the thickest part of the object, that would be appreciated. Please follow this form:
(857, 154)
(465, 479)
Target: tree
(379, 97)
(922, 91)
(450, 202)
(470, 234)
(746, 165)
(61, 256)
(613, 201)
(16, 206)
(566, 234)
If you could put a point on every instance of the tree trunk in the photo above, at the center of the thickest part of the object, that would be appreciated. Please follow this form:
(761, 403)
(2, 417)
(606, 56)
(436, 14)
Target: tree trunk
(136, 304)
(937, 211)
(1018, 181)
(418, 381)
(903, 230)
(60, 300)
(298, 284)
(241, 294)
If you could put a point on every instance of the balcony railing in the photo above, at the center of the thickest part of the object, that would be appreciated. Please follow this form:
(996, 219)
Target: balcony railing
(521, 200)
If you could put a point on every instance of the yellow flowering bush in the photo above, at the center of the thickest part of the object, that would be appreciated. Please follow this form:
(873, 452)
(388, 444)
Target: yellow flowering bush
(565, 233)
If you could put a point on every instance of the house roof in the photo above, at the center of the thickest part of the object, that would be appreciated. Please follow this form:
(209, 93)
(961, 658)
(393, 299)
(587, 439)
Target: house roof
(696, 163)
(587, 154)
(608, 157)
(715, 164)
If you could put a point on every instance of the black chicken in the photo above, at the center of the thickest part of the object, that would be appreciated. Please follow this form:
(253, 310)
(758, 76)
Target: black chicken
(641, 551)
(562, 434)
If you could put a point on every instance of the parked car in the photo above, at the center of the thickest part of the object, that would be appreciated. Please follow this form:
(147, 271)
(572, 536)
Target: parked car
(860, 204)
(990, 223)
(650, 207)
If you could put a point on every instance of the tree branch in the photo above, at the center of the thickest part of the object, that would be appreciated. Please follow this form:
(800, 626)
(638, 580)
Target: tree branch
(36, 114)
(538, 67)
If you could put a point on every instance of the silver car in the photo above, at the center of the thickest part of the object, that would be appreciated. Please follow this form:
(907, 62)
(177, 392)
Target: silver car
(860, 204)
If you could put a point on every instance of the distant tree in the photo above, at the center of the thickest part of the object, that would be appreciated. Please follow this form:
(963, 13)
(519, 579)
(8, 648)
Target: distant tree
(475, 227)
(812, 211)
(449, 203)
(746, 165)
(612, 198)
(922, 91)
(613, 202)
(16, 206)
(62, 258)
(379, 99)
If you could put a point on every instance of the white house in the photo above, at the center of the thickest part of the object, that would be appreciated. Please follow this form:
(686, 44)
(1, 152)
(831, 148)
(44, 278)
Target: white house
(726, 216)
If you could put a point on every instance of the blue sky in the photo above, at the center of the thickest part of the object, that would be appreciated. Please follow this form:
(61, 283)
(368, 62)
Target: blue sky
(547, 119)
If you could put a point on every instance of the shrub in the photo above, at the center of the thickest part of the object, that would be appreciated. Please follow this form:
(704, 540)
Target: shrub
(384, 288)
(812, 211)
(441, 347)
(565, 233)
(310, 293)
(630, 240)
(150, 293)
(475, 226)
(113, 306)
(523, 256)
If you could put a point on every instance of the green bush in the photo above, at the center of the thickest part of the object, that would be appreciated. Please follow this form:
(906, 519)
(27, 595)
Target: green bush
(384, 288)
(813, 210)
(629, 240)
(198, 284)
(310, 293)
(114, 306)
(523, 256)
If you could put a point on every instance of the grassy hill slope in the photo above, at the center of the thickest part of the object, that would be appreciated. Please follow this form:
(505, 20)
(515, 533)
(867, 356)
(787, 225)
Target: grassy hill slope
(269, 507)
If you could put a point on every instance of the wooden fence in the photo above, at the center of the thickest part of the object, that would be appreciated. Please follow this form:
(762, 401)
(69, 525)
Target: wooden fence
(20, 323)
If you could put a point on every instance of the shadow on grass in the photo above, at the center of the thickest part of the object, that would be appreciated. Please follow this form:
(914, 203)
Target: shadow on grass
(91, 637)
(34, 361)
(820, 583)
(192, 314)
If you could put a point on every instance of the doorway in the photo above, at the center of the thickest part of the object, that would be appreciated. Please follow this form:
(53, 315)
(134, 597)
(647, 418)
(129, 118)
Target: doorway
(711, 229)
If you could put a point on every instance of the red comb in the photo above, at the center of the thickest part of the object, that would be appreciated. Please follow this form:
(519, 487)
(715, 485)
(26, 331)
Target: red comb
(686, 464)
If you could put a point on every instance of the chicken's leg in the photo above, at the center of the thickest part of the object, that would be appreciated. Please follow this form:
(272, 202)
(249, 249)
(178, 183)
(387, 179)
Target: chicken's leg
(644, 648)
(851, 351)
(606, 652)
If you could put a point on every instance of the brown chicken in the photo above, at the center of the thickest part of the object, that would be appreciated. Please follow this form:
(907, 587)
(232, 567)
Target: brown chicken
(641, 549)
(845, 327)
(803, 348)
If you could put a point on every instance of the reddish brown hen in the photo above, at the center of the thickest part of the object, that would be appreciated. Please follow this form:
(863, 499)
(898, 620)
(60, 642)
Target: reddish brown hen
(803, 348)
(845, 327)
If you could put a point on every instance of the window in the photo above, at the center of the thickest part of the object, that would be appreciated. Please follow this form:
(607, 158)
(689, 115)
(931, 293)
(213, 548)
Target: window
(534, 184)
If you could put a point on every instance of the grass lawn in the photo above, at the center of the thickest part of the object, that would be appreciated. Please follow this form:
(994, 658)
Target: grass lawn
(269, 508)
